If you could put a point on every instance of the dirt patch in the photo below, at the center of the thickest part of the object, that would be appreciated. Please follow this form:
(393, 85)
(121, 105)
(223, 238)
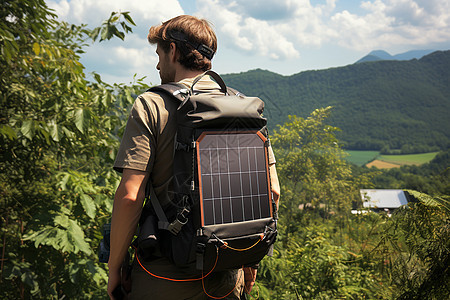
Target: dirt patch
(382, 164)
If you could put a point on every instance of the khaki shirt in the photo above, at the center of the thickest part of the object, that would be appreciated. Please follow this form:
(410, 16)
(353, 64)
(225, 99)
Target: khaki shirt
(148, 140)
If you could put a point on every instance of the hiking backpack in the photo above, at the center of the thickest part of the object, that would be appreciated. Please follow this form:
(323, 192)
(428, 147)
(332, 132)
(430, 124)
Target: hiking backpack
(222, 215)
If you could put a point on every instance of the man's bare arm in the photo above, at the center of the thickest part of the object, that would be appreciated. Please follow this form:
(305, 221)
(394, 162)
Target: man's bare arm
(127, 209)
(275, 185)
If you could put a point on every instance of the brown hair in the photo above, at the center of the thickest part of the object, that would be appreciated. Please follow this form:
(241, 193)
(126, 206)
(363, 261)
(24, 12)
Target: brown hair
(197, 31)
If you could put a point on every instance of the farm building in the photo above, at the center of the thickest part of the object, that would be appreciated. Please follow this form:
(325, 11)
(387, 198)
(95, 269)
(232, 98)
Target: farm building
(382, 200)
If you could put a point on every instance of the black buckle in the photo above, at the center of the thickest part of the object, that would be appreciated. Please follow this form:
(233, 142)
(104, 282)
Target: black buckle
(179, 221)
(184, 215)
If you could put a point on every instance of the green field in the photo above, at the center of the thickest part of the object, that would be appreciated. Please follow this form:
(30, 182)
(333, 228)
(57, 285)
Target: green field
(360, 158)
(409, 159)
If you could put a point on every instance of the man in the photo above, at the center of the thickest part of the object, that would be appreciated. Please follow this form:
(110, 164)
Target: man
(185, 46)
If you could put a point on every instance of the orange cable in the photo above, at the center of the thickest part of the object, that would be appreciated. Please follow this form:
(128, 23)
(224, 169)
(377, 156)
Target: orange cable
(178, 280)
(203, 276)
(244, 249)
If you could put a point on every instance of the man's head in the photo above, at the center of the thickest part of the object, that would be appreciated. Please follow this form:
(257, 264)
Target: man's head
(192, 39)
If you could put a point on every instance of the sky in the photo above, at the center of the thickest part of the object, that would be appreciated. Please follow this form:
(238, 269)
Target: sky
(282, 36)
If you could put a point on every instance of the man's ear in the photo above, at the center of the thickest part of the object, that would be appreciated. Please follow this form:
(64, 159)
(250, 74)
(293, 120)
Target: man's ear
(173, 52)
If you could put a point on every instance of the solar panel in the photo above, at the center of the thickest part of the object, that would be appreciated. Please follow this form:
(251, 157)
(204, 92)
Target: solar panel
(233, 177)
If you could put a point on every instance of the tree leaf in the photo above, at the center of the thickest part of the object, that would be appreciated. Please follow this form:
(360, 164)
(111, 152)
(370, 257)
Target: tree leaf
(114, 18)
(82, 117)
(8, 131)
(128, 18)
(77, 237)
(99, 275)
(27, 129)
(62, 241)
(97, 77)
(67, 132)
(73, 272)
(62, 220)
(63, 183)
(104, 33)
(36, 48)
(88, 205)
(119, 34)
(55, 131)
(95, 33)
(112, 29)
(44, 236)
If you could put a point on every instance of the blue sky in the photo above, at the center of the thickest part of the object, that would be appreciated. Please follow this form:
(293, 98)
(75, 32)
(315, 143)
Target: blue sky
(282, 36)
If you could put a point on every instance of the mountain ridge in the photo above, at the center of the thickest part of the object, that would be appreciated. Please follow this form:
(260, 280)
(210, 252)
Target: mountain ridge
(377, 104)
(383, 55)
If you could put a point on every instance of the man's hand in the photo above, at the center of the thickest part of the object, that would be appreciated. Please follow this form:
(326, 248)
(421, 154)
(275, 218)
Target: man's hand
(113, 282)
(249, 278)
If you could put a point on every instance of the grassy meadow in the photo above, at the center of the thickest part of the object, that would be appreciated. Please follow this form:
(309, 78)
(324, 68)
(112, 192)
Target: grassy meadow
(373, 158)
(360, 158)
(409, 159)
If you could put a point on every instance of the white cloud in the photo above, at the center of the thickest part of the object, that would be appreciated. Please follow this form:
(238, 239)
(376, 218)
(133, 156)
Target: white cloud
(270, 30)
(390, 23)
(280, 28)
(62, 8)
(309, 25)
(140, 58)
(247, 33)
(119, 60)
(93, 12)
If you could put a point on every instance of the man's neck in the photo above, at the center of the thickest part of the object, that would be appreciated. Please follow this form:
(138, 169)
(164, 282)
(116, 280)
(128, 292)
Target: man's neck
(183, 73)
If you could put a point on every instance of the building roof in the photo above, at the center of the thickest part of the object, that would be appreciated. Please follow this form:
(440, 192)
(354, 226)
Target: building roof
(376, 198)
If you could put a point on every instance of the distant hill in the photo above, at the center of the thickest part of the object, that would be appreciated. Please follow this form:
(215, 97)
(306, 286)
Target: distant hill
(383, 55)
(377, 104)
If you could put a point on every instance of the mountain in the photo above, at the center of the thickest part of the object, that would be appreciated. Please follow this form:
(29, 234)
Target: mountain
(414, 54)
(383, 55)
(377, 104)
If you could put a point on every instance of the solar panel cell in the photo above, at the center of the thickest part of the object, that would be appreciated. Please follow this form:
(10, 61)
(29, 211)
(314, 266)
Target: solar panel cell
(226, 208)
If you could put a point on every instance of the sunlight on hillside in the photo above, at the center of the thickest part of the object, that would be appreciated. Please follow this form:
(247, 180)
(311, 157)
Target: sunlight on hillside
(382, 164)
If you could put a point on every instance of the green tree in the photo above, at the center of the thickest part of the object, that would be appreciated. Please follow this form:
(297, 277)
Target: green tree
(58, 137)
(312, 258)
(414, 248)
(312, 167)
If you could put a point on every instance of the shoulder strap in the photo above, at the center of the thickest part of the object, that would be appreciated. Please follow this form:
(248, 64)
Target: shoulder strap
(176, 90)
(163, 222)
